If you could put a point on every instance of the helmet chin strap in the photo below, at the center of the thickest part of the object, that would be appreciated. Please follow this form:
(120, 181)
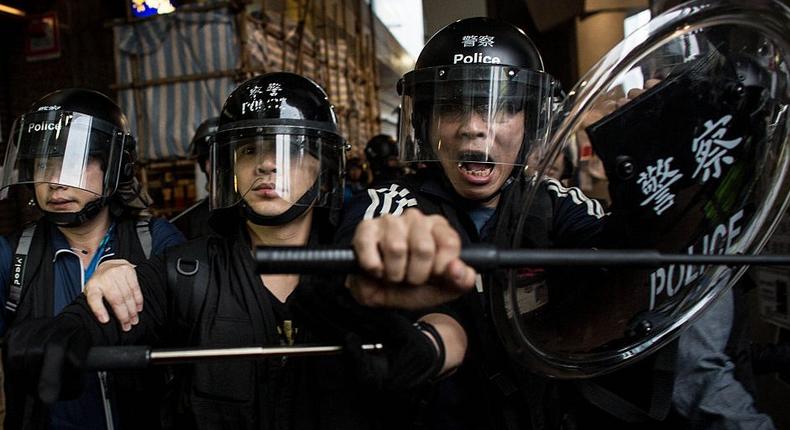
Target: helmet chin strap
(75, 219)
(295, 211)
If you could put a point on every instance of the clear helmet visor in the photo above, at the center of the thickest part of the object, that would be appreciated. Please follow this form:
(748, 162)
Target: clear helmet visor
(66, 149)
(479, 122)
(272, 172)
(681, 134)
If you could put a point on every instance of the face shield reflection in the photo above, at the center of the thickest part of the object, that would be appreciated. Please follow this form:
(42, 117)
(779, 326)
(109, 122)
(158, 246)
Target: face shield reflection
(275, 167)
(272, 172)
(65, 149)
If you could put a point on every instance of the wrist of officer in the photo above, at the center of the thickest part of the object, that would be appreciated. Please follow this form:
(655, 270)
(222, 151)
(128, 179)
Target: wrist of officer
(428, 330)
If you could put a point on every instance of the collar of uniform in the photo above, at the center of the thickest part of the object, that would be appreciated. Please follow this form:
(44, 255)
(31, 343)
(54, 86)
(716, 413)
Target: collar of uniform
(442, 189)
(60, 245)
(437, 188)
(226, 221)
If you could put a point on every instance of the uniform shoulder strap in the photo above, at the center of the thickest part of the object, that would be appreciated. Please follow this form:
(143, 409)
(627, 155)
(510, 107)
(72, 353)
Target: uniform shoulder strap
(18, 267)
(188, 277)
(144, 236)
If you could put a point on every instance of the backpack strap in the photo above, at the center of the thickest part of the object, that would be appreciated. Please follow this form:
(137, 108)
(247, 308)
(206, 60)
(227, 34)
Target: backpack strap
(188, 275)
(144, 236)
(18, 268)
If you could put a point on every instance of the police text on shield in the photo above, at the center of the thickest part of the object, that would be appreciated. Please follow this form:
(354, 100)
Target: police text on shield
(668, 281)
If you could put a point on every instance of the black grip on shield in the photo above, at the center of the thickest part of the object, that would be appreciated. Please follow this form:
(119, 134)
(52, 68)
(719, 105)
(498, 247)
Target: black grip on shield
(114, 358)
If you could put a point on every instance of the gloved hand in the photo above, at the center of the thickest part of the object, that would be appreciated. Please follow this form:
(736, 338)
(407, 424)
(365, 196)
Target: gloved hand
(47, 356)
(408, 357)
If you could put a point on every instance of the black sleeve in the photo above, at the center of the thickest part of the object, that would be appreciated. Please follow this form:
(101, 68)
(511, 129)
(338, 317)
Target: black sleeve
(152, 278)
(391, 199)
(577, 220)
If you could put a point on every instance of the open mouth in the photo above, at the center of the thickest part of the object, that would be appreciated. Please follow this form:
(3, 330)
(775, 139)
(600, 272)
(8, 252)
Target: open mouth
(476, 167)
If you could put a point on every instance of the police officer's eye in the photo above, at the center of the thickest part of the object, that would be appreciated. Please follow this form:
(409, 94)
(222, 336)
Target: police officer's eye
(249, 149)
(451, 109)
(300, 144)
(509, 108)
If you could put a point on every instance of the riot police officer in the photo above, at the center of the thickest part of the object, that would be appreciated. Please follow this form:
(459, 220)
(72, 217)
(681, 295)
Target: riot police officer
(193, 221)
(468, 119)
(381, 152)
(75, 150)
(475, 109)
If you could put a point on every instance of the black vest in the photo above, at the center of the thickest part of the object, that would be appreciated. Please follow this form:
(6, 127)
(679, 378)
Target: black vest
(133, 403)
(226, 306)
(36, 300)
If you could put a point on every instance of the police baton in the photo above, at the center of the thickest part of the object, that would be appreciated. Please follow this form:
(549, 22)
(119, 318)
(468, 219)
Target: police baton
(483, 258)
(140, 357)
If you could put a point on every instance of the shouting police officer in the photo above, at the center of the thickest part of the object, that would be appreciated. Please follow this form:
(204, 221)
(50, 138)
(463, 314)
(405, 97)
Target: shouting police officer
(476, 108)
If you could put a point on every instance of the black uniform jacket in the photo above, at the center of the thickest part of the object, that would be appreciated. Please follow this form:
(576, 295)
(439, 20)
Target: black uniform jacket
(488, 391)
(237, 310)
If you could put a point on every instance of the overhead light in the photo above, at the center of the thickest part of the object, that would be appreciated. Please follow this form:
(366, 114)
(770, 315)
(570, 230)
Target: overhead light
(11, 10)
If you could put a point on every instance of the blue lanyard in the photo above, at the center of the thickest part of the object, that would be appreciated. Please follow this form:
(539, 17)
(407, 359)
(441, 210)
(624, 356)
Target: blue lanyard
(99, 253)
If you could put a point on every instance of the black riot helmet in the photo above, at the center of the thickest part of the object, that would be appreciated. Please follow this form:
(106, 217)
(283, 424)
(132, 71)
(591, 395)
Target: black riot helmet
(478, 103)
(200, 146)
(381, 152)
(64, 135)
(277, 150)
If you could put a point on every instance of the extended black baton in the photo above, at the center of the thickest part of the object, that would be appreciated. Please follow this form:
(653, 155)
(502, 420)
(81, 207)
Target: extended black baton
(139, 357)
(484, 258)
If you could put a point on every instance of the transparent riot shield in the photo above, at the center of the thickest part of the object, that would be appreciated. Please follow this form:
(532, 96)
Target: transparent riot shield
(677, 140)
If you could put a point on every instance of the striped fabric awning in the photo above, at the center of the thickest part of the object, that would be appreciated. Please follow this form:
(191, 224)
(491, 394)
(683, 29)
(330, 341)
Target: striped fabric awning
(174, 71)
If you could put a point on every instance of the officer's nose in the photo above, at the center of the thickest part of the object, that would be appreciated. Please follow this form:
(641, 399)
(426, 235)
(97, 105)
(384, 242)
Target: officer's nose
(474, 127)
(266, 165)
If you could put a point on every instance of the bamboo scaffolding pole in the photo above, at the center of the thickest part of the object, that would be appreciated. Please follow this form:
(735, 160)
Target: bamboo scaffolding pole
(297, 67)
(244, 54)
(300, 26)
(362, 71)
(284, 36)
(351, 108)
(316, 43)
(173, 79)
(325, 47)
(367, 71)
(139, 99)
(375, 85)
(336, 67)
